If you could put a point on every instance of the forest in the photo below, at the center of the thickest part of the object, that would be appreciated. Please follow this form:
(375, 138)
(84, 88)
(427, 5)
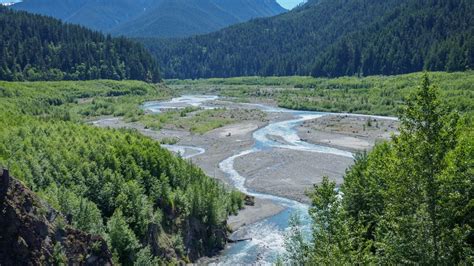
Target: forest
(330, 39)
(408, 201)
(34, 47)
(152, 207)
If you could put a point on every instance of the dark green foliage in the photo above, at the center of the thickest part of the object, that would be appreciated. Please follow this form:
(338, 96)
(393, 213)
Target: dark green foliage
(409, 201)
(117, 183)
(146, 258)
(331, 38)
(34, 47)
(429, 34)
(122, 240)
(58, 255)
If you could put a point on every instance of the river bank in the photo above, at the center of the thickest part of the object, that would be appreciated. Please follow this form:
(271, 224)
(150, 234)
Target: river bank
(348, 132)
(276, 159)
(216, 145)
(289, 173)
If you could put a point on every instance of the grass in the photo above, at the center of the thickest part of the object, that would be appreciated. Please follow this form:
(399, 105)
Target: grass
(198, 121)
(80, 100)
(381, 95)
(87, 100)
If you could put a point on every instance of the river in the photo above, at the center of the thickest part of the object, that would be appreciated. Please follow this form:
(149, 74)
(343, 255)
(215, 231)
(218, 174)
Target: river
(268, 235)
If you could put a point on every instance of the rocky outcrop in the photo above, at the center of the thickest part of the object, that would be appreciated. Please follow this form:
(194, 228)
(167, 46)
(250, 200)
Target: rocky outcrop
(33, 233)
(249, 200)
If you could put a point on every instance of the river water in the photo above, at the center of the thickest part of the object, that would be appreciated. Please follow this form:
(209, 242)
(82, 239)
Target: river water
(268, 235)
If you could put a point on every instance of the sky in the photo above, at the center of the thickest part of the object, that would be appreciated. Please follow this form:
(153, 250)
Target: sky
(288, 4)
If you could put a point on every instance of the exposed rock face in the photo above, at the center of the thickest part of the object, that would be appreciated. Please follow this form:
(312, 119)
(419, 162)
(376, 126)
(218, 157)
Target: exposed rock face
(32, 233)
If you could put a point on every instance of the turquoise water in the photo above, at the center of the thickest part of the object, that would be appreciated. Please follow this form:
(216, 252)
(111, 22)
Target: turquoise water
(268, 235)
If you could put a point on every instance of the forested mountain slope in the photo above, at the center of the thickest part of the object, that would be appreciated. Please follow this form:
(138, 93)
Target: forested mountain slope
(148, 18)
(331, 38)
(34, 47)
(152, 207)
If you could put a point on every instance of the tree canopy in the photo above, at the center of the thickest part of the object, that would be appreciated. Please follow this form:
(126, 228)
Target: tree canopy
(408, 201)
(331, 38)
(34, 47)
(120, 184)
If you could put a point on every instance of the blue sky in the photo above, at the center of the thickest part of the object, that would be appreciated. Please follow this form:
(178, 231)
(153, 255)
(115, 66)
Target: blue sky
(288, 4)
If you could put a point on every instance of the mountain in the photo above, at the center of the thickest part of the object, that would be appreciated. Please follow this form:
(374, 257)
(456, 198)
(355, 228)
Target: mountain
(159, 18)
(35, 47)
(174, 18)
(96, 14)
(331, 38)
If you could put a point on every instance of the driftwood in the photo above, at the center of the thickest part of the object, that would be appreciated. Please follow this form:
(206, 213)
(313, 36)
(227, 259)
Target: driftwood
(238, 240)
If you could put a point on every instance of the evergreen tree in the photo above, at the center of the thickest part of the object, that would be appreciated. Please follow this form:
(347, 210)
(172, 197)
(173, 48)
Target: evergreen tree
(330, 38)
(35, 47)
(139, 190)
(121, 238)
(408, 200)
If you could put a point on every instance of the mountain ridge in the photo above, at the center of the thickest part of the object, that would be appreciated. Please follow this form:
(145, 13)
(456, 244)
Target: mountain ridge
(146, 18)
(330, 38)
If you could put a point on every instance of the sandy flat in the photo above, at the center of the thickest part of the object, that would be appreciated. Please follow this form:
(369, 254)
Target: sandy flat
(117, 122)
(289, 173)
(279, 172)
(237, 129)
(252, 214)
(352, 133)
(219, 145)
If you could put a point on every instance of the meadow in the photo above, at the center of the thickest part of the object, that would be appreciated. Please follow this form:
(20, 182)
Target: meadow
(378, 95)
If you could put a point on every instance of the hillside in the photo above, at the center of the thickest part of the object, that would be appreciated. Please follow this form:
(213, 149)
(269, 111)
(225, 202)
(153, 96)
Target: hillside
(147, 18)
(177, 18)
(42, 234)
(34, 47)
(331, 38)
(151, 206)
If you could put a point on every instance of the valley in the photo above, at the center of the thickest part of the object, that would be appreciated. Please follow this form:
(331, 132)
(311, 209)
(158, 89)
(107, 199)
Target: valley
(275, 154)
(264, 158)
(236, 132)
